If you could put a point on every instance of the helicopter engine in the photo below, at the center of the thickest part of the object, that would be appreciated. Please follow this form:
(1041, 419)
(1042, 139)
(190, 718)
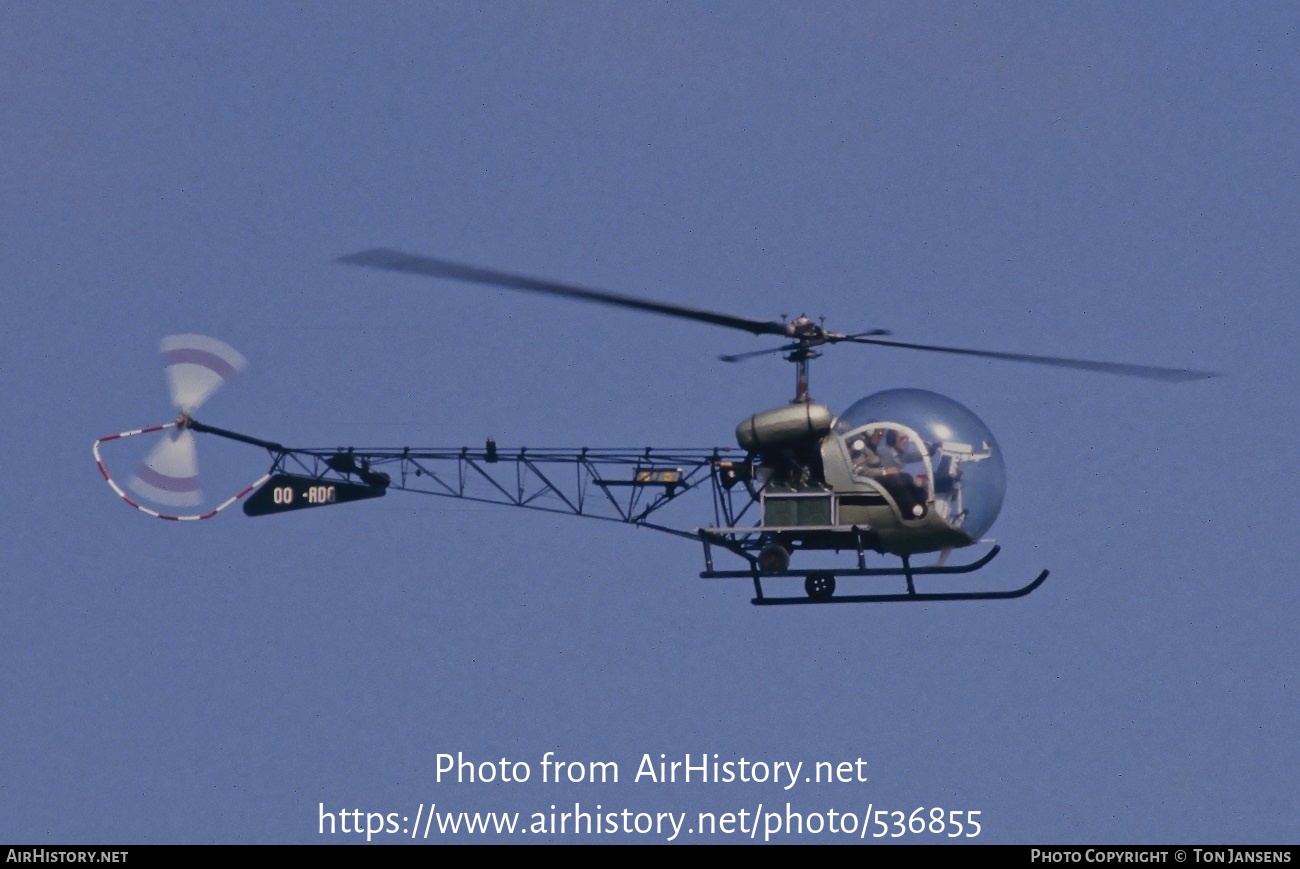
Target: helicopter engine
(784, 426)
(786, 441)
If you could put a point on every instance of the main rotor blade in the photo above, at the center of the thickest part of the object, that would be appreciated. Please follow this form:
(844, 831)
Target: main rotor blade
(398, 261)
(827, 337)
(835, 338)
(1151, 372)
(741, 357)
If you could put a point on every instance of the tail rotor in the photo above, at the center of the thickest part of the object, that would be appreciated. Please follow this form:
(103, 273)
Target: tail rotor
(170, 475)
(196, 367)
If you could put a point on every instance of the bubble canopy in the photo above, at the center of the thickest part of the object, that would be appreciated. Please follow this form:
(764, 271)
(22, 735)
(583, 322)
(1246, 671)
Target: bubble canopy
(950, 452)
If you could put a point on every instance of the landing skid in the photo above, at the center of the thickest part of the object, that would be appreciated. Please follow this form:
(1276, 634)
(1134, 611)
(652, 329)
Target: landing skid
(905, 596)
(820, 584)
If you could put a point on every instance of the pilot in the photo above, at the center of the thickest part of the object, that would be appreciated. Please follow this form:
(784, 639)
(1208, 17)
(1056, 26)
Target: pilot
(897, 451)
(893, 454)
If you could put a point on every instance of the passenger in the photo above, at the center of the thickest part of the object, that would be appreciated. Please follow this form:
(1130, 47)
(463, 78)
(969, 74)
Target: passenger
(862, 451)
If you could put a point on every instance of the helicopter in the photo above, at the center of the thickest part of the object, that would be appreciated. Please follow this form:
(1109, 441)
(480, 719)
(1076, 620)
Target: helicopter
(901, 473)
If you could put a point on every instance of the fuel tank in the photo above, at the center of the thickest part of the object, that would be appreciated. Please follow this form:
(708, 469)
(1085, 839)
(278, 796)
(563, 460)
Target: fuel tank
(783, 426)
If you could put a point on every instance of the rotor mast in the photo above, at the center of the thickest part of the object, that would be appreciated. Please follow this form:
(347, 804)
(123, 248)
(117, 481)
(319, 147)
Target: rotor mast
(807, 335)
(801, 358)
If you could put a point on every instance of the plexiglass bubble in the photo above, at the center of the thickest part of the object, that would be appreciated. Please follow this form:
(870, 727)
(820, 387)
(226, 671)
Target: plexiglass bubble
(940, 446)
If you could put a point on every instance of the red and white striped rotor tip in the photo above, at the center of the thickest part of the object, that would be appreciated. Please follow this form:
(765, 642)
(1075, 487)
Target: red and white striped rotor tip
(196, 367)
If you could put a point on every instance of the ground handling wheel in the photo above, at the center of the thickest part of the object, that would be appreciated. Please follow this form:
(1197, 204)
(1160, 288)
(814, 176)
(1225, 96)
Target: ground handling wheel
(820, 586)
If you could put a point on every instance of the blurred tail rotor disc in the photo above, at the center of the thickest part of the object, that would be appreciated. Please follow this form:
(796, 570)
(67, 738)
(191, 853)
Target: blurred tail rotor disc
(196, 367)
(170, 475)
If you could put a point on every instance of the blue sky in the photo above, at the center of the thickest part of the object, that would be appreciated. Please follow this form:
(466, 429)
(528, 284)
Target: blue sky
(1096, 180)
